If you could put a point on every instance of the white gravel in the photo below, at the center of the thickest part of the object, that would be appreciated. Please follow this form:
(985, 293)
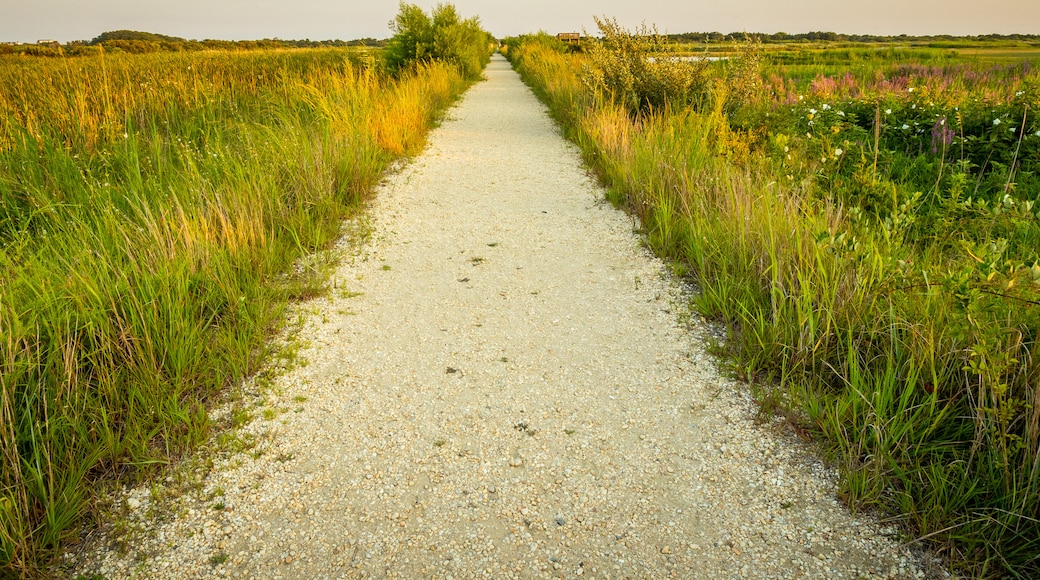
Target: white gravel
(503, 384)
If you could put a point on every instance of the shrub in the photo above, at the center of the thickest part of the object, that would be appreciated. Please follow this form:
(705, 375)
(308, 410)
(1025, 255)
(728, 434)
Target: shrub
(634, 69)
(440, 36)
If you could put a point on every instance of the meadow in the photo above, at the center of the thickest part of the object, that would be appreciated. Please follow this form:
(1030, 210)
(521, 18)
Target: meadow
(864, 222)
(154, 213)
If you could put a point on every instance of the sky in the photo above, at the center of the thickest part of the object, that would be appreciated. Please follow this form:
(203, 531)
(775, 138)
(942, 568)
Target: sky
(66, 20)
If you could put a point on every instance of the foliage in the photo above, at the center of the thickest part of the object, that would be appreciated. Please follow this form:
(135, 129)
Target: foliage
(835, 37)
(440, 36)
(635, 70)
(874, 256)
(152, 212)
(134, 35)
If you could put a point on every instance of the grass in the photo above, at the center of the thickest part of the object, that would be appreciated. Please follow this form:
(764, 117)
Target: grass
(885, 314)
(153, 212)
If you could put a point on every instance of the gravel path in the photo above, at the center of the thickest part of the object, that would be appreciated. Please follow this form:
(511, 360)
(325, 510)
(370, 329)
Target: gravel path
(503, 384)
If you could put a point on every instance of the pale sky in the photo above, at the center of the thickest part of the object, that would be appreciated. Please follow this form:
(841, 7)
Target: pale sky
(65, 20)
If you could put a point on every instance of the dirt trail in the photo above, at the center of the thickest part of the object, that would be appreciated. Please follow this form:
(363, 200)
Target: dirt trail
(505, 384)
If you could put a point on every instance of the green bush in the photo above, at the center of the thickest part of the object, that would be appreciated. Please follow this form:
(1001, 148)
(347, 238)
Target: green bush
(635, 70)
(440, 36)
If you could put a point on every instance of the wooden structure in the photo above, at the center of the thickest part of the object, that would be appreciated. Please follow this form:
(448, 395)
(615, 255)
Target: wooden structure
(570, 37)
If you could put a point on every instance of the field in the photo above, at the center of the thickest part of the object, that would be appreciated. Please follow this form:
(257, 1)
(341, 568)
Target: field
(864, 221)
(154, 210)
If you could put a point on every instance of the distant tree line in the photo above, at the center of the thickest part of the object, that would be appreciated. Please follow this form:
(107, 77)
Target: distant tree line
(136, 42)
(838, 37)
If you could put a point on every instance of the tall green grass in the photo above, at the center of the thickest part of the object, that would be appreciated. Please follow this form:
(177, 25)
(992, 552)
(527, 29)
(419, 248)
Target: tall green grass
(152, 209)
(912, 364)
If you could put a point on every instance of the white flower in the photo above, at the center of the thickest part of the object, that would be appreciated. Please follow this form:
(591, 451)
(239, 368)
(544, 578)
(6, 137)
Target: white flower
(913, 106)
(905, 126)
(1020, 93)
(838, 152)
(996, 122)
(1037, 133)
(812, 111)
(826, 107)
(841, 113)
(910, 90)
(888, 111)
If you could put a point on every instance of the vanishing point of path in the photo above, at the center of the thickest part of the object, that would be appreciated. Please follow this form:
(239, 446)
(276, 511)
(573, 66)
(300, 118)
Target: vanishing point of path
(504, 385)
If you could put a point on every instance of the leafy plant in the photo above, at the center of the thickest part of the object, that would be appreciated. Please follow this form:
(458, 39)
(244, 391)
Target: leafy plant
(440, 36)
(636, 71)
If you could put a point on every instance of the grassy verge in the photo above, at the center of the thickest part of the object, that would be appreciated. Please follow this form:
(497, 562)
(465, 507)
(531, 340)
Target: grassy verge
(909, 358)
(152, 209)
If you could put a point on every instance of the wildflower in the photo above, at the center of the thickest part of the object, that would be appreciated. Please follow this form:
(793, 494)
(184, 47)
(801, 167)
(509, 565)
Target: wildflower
(905, 126)
(812, 111)
(826, 107)
(838, 152)
(841, 113)
(888, 111)
(1037, 133)
(910, 90)
(1019, 93)
(996, 122)
(942, 136)
(126, 135)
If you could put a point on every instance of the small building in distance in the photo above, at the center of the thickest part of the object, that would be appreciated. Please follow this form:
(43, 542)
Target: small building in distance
(569, 37)
(48, 42)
